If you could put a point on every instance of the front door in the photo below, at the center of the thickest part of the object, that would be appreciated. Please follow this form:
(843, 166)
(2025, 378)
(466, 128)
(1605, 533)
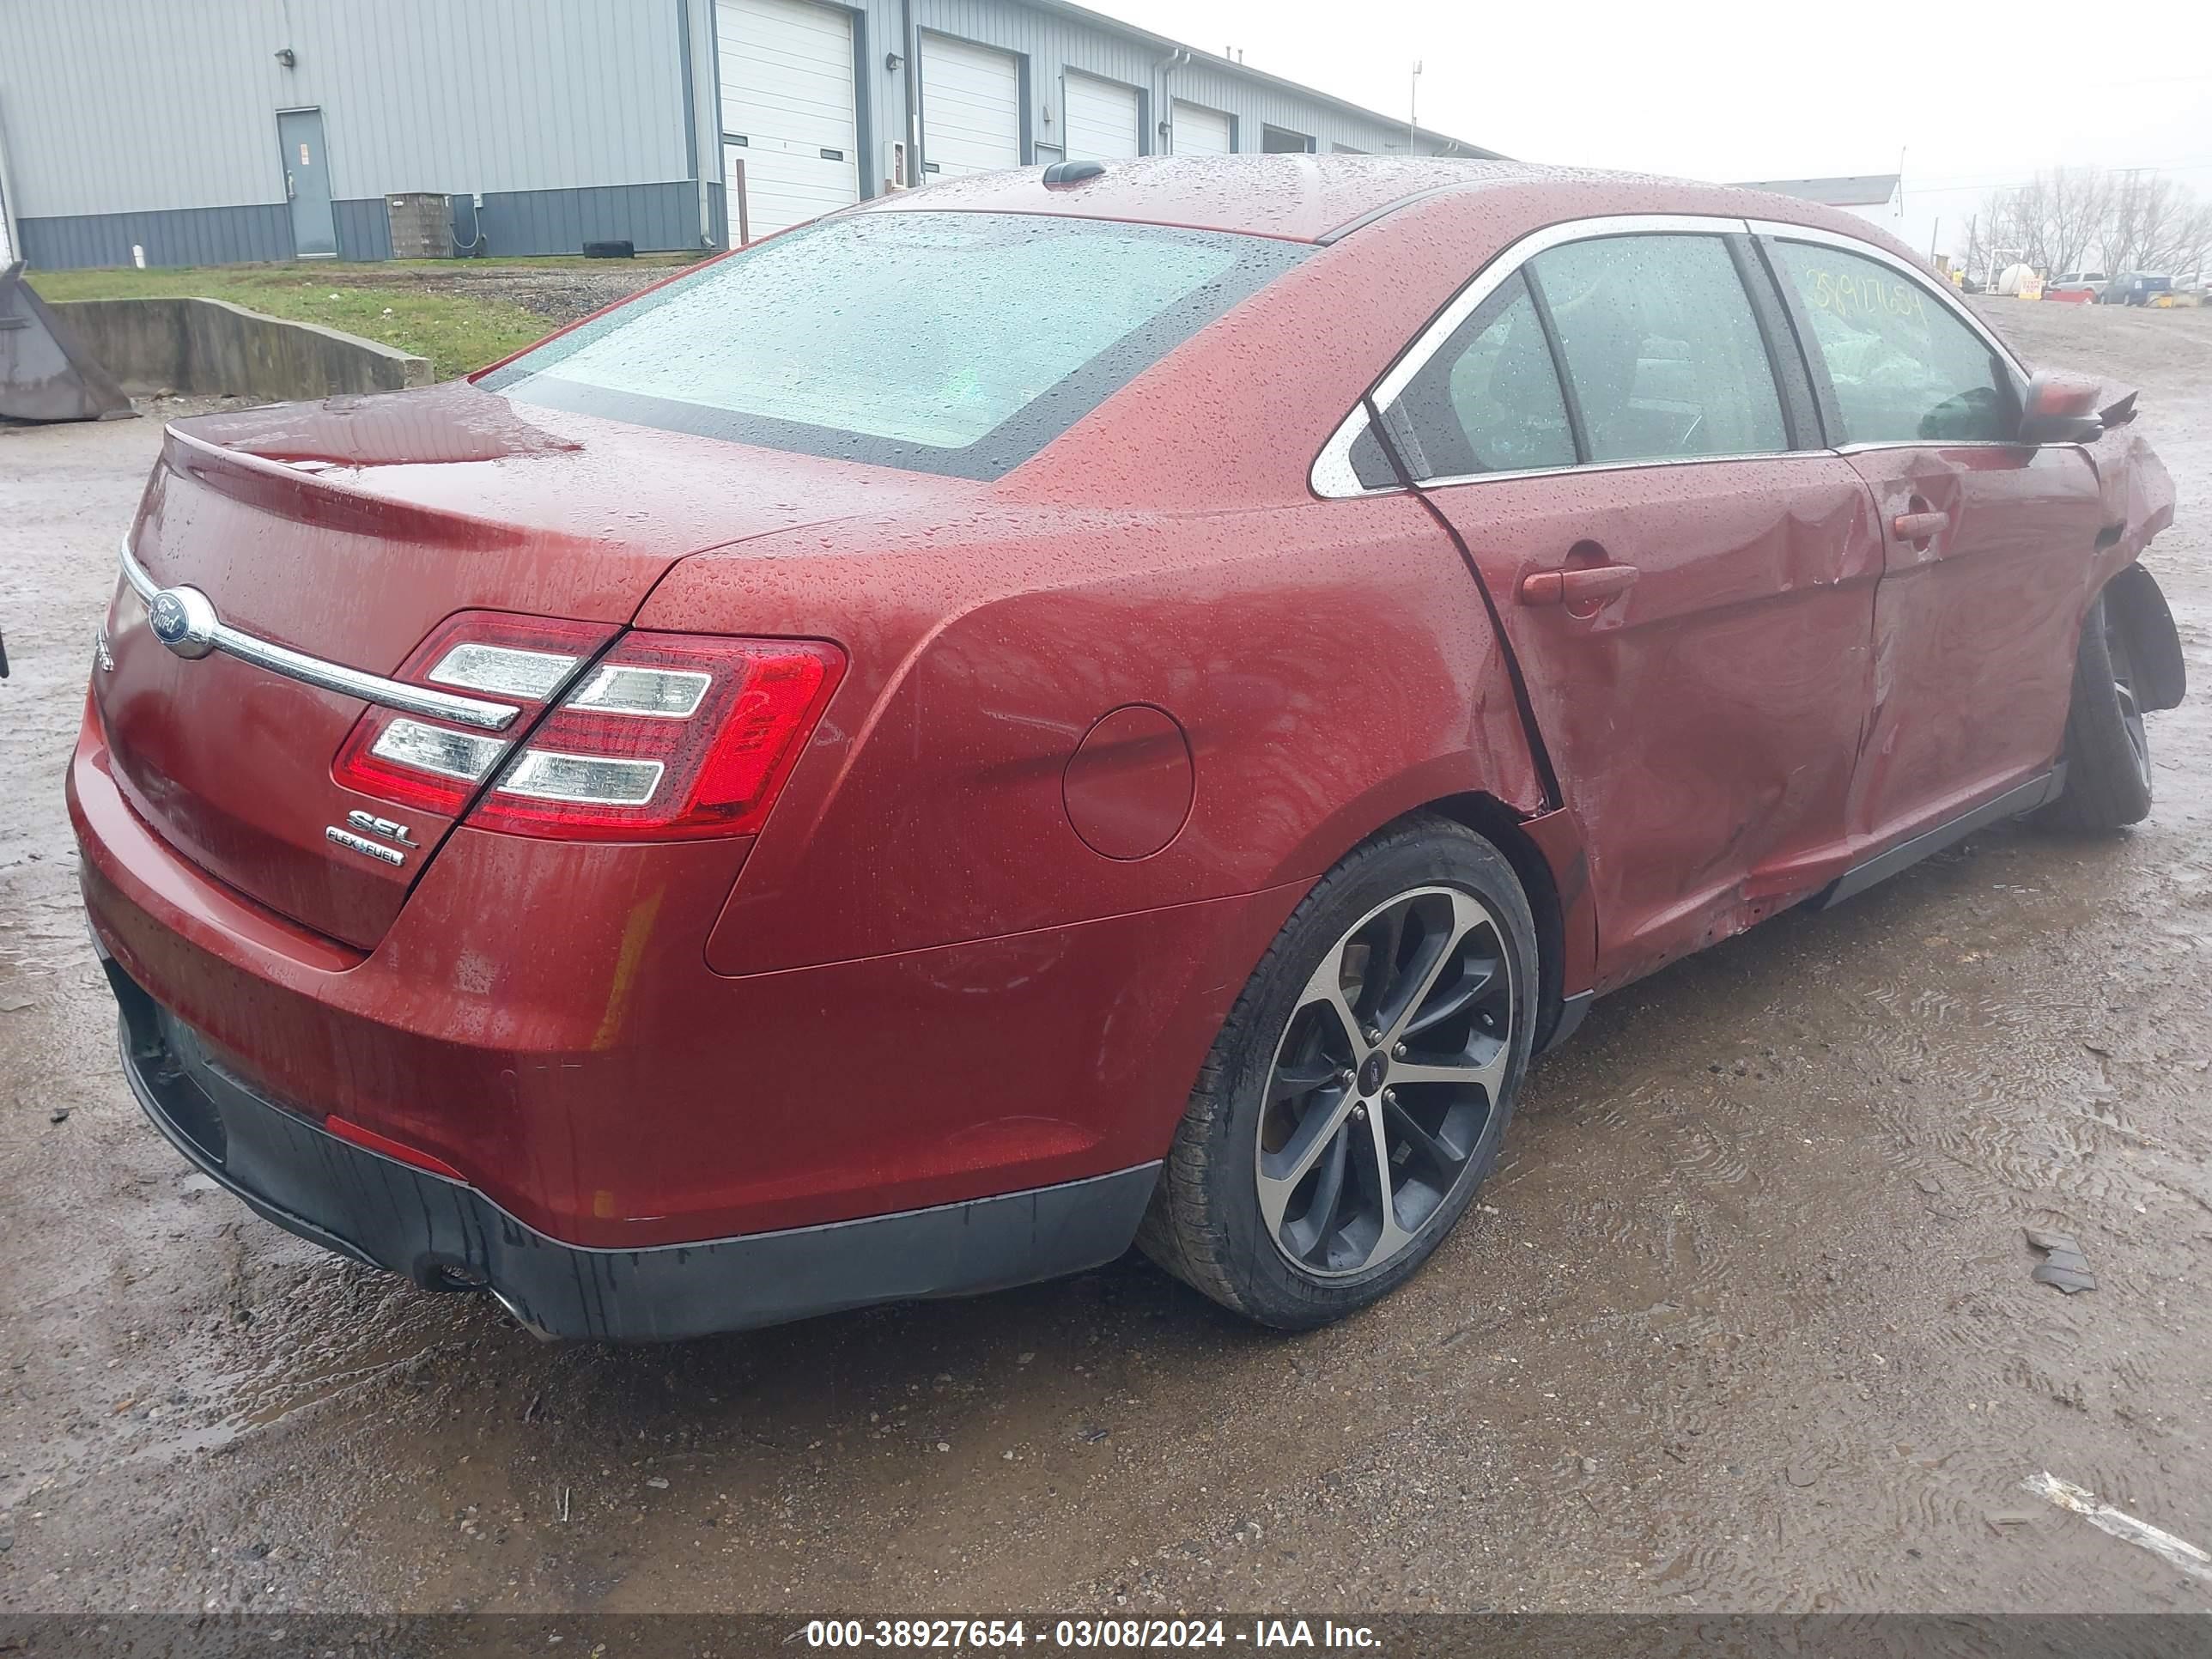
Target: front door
(1688, 598)
(1990, 542)
(308, 184)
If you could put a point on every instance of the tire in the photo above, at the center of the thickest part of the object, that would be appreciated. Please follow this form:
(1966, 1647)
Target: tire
(2108, 776)
(1441, 907)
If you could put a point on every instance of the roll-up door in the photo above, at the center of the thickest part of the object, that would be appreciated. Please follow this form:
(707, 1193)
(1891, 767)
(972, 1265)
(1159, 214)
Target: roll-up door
(787, 71)
(971, 107)
(1102, 119)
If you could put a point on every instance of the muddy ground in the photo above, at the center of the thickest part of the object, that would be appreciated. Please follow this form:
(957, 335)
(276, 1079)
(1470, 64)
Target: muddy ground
(1745, 1321)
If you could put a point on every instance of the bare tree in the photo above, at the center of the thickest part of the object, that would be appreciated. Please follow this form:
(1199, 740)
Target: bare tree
(2075, 218)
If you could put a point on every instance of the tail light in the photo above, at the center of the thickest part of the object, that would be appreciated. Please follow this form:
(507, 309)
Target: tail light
(666, 737)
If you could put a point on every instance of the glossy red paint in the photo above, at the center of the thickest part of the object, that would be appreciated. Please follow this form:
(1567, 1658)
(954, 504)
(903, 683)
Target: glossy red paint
(1102, 723)
(1706, 717)
(1127, 787)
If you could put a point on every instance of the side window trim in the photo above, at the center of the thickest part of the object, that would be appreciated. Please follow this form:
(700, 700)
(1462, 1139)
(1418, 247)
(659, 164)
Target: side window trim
(1809, 351)
(1772, 231)
(1331, 476)
(1577, 427)
(1801, 422)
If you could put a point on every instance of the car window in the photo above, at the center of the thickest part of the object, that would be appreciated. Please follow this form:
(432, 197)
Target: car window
(1662, 347)
(1489, 401)
(957, 342)
(1904, 369)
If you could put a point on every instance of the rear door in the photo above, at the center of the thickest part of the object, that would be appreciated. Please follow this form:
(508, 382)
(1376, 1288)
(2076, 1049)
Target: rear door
(1988, 543)
(971, 107)
(790, 145)
(1687, 580)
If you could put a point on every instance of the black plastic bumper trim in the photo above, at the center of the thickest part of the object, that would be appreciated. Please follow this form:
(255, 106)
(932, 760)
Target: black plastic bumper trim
(445, 1235)
(1573, 1011)
(2036, 792)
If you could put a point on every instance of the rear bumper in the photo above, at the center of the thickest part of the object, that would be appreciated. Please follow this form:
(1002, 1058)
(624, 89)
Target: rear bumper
(445, 1235)
(542, 1022)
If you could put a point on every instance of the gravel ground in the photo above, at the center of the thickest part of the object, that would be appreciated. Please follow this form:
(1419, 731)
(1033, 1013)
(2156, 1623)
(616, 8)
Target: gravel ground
(559, 294)
(1744, 1322)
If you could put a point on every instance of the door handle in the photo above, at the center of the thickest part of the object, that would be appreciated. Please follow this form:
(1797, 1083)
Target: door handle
(1586, 585)
(1920, 527)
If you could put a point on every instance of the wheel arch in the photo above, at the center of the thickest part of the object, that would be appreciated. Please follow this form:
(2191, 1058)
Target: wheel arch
(1505, 830)
(2138, 607)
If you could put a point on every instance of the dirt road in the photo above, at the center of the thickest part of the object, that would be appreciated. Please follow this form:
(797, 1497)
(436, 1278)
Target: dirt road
(1745, 1321)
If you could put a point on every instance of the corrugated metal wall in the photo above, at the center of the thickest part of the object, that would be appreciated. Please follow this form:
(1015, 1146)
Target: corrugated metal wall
(119, 105)
(154, 122)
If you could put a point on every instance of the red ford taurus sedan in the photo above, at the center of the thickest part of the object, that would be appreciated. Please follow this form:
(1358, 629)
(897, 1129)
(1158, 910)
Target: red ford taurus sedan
(1066, 708)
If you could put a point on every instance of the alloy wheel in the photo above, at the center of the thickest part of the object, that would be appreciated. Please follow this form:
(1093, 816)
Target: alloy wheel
(1384, 1081)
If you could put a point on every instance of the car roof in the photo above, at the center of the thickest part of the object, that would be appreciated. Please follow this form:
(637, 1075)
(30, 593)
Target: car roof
(1315, 198)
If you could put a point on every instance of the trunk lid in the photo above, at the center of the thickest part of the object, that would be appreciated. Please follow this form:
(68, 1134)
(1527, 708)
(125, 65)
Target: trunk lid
(348, 530)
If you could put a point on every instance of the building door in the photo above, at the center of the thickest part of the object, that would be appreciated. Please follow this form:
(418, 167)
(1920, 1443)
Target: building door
(308, 184)
(1281, 141)
(787, 112)
(1202, 131)
(971, 107)
(1102, 118)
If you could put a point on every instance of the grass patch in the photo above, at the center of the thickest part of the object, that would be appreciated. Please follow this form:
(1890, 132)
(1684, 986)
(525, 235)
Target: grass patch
(458, 332)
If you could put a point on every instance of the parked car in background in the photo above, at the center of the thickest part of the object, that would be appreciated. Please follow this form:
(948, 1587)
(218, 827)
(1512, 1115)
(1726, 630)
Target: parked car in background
(1123, 703)
(2134, 289)
(2076, 287)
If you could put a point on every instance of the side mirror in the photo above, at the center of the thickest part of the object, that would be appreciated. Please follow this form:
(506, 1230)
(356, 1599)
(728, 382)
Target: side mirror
(2061, 408)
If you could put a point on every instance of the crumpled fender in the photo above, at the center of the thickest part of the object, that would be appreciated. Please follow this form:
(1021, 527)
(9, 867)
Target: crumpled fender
(2137, 496)
(2136, 487)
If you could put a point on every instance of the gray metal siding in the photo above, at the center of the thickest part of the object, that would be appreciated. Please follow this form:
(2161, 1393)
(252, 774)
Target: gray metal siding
(364, 229)
(118, 105)
(155, 121)
(174, 236)
(658, 218)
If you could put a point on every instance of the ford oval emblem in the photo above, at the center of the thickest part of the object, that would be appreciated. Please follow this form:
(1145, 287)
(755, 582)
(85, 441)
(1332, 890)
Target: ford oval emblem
(184, 619)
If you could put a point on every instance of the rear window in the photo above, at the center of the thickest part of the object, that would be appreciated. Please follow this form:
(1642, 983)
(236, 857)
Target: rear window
(952, 343)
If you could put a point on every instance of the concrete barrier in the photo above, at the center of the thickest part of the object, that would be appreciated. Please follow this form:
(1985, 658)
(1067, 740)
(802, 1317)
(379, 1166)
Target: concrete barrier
(212, 347)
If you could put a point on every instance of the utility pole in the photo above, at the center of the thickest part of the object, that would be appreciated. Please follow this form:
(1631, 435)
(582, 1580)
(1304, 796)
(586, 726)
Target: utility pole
(1932, 235)
(1412, 107)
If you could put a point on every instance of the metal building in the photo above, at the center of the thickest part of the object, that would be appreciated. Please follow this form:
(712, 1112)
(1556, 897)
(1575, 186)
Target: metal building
(223, 130)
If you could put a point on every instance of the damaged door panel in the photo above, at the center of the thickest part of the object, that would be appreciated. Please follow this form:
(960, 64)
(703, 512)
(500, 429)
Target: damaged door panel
(1989, 540)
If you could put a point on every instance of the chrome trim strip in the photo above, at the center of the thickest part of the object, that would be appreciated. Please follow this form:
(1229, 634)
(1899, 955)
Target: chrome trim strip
(1332, 478)
(473, 711)
(1442, 481)
(1329, 483)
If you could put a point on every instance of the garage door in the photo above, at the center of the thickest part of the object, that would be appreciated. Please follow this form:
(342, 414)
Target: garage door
(787, 69)
(1199, 130)
(971, 108)
(1102, 119)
